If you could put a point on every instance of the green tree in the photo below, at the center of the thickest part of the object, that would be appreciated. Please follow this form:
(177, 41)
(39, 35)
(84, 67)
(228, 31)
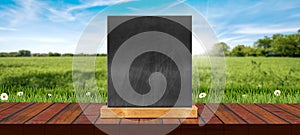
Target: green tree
(24, 53)
(53, 54)
(68, 54)
(13, 54)
(263, 43)
(287, 45)
(219, 49)
(3, 54)
(275, 36)
(223, 46)
(238, 50)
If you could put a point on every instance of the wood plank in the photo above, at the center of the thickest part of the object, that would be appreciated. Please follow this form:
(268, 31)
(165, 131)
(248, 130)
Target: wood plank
(171, 121)
(93, 109)
(227, 116)
(191, 121)
(178, 112)
(108, 121)
(192, 126)
(281, 113)
(150, 121)
(206, 115)
(83, 119)
(200, 108)
(289, 109)
(12, 110)
(233, 123)
(257, 125)
(26, 114)
(72, 111)
(246, 115)
(295, 105)
(129, 121)
(4, 106)
(47, 114)
(60, 124)
(90, 114)
(263, 114)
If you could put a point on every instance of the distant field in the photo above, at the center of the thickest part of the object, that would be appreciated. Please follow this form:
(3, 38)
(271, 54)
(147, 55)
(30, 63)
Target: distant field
(248, 80)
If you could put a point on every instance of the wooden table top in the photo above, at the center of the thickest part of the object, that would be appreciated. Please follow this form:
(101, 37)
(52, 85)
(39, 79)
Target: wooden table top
(72, 114)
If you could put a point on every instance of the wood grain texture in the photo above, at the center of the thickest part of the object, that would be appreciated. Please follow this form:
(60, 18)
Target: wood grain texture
(191, 121)
(27, 119)
(129, 121)
(47, 114)
(151, 121)
(295, 105)
(12, 110)
(68, 114)
(90, 114)
(246, 115)
(263, 114)
(290, 109)
(178, 112)
(4, 106)
(281, 113)
(227, 116)
(171, 121)
(108, 121)
(207, 115)
(93, 109)
(26, 114)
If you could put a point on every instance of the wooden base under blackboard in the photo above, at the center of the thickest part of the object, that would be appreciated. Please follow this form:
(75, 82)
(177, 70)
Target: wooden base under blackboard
(177, 112)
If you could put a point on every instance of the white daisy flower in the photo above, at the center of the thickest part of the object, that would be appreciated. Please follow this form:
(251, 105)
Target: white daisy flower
(4, 96)
(49, 95)
(277, 92)
(88, 93)
(202, 95)
(20, 93)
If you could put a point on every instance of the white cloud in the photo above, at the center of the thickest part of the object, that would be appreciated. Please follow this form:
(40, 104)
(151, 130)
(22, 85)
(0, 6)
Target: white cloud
(58, 16)
(33, 39)
(242, 41)
(95, 3)
(7, 29)
(255, 30)
(68, 15)
(29, 10)
(24, 10)
(229, 39)
(134, 9)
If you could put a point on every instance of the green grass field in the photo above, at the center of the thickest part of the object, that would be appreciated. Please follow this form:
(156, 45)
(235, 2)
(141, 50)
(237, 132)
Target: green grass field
(248, 80)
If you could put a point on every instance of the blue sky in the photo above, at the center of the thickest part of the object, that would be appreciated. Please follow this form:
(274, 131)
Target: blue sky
(56, 25)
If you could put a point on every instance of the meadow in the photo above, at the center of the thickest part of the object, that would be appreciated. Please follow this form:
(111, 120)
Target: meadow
(248, 80)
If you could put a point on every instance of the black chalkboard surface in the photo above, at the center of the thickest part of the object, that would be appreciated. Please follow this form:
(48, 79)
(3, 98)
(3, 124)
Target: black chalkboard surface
(149, 61)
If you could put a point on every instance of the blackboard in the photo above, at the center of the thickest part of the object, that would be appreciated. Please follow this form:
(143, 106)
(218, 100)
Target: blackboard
(149, 61)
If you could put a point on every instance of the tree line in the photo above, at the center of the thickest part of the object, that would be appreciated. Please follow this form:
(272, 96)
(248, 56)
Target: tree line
(27, 53)
(277, 45)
